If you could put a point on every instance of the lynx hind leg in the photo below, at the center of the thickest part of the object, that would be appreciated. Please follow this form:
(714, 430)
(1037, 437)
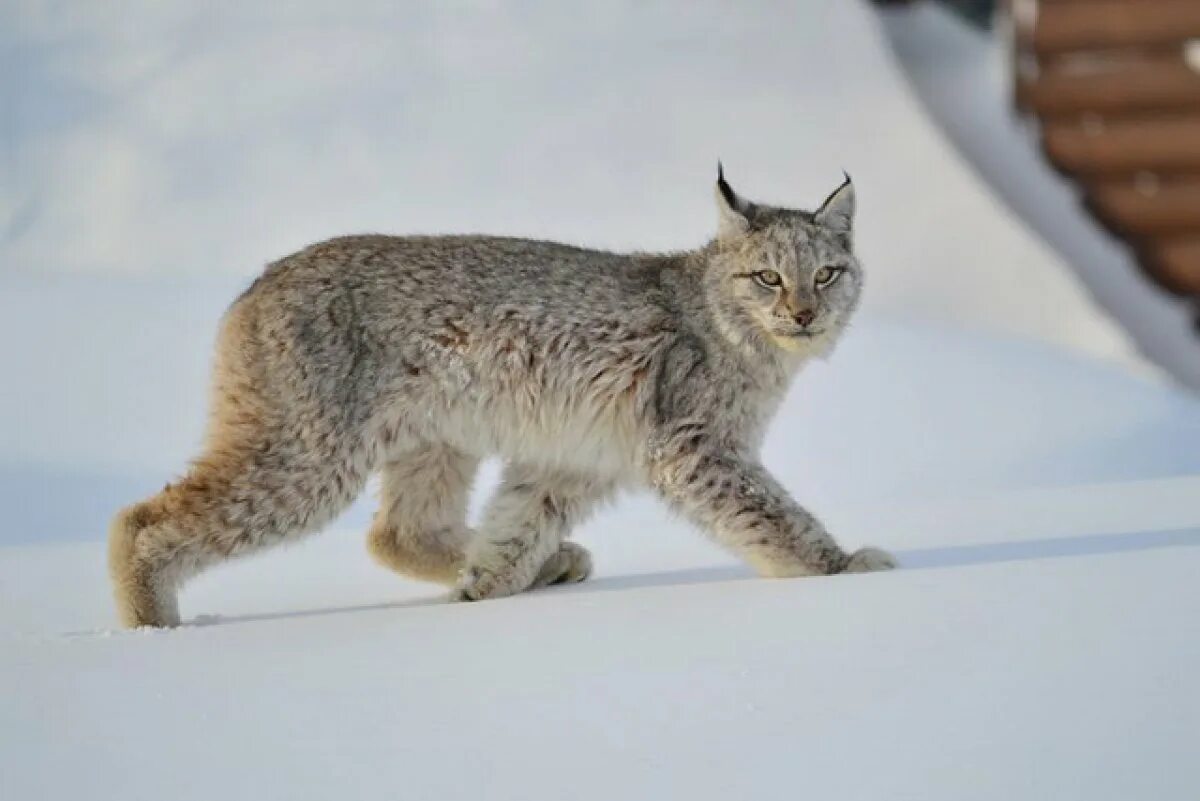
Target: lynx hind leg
(520, 544)
(420, 530)
(570, 564)
(143, 595)
(229, 504)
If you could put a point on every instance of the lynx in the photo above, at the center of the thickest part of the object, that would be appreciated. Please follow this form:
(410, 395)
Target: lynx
(588, 372)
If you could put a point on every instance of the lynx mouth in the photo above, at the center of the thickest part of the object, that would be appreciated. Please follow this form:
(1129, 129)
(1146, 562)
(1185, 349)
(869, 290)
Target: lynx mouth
(795, 341)
(794, 334)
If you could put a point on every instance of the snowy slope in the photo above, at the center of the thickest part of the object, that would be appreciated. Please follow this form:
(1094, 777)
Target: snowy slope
(986, 670)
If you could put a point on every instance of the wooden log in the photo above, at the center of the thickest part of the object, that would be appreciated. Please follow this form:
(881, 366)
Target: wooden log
(1098, 146)
(1064, 26)
(1174, 264)
(1147, 206)
(1113, 87)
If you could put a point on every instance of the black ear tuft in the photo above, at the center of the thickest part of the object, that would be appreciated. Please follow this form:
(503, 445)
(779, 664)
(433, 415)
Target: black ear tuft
(725, 189)
(734, 212)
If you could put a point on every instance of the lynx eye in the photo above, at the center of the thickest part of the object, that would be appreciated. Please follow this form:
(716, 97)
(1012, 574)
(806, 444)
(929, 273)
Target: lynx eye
(827, 275)
(768, 278)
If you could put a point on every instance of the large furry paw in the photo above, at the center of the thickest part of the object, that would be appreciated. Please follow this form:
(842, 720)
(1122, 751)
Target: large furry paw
(570, 564)
(481, 584)
(870, 560)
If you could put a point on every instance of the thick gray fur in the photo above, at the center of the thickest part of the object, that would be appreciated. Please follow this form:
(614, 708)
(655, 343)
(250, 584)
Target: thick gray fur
(588, 372)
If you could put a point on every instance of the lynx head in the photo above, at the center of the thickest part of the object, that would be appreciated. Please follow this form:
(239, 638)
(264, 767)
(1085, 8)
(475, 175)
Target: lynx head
(783, 278)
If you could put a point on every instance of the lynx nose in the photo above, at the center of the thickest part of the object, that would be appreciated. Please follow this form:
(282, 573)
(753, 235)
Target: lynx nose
(804, 317)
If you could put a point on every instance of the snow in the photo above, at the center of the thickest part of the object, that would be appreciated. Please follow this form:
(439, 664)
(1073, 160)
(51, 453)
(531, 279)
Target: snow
(986, 670)
(981, 420)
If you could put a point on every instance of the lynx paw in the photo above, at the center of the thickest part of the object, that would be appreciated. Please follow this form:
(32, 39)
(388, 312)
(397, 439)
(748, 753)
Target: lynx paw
(870, 560)
(482, 582)
(479, 584)
(570, 564)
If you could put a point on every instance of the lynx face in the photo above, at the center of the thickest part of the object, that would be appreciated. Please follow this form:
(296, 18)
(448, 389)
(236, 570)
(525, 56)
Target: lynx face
(788, 278)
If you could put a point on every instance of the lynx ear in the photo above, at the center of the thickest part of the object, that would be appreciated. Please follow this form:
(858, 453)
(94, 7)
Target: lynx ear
(733, 212)
(837, 212)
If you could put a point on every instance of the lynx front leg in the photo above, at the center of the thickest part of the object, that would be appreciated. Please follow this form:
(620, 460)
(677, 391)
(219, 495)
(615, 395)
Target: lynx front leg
(520, 544)
(747, 510)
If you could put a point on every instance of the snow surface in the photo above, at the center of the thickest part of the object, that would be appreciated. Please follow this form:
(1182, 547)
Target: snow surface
(1037, 644)
(1014, 658)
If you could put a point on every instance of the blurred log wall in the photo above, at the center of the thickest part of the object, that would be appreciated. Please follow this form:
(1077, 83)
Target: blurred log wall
(1116, 87)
